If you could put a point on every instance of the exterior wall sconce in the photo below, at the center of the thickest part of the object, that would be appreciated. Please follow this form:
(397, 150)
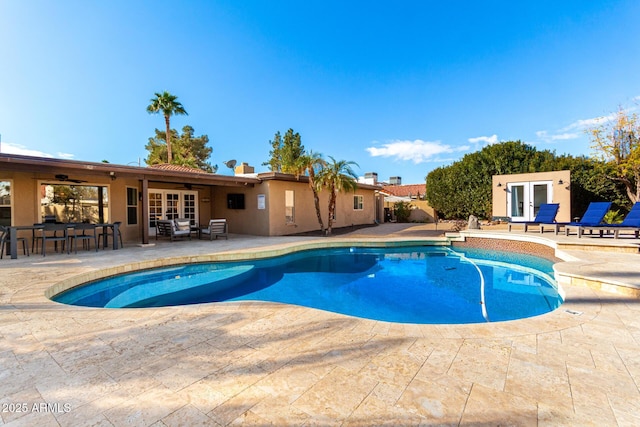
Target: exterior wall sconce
(112, 175)
(499, 184)
(560, 182)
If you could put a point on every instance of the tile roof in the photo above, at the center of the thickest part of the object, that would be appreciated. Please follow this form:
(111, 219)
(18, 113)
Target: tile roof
(177, 168)
(413, 190)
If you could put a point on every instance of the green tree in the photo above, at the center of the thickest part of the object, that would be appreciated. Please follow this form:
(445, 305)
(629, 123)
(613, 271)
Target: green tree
(310, 163)
(618, 142)
(588, 183)
(275, 156)
(336, 176)
(285, 152)
(188, 149)
(168, 105)
(464, 188)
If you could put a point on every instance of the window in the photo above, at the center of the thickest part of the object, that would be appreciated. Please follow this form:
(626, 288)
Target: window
(132, 206)
(172, 204)
(155, 208)
(189, 209)
(74, 203)
(5, 203)
(171, 209)
(289, 209)
(358, 203)
(235, 201)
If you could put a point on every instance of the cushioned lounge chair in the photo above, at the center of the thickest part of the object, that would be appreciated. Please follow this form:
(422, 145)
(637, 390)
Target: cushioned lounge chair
(217, 227)
(630, 223)
(174, 228)
(593, 216)
(546, 215)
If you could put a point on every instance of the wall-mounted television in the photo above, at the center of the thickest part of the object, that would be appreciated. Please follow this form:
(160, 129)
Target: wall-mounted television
(235, 201)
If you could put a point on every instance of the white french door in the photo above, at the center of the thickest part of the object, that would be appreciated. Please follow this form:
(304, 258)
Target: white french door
(524, 199)
(171, 204)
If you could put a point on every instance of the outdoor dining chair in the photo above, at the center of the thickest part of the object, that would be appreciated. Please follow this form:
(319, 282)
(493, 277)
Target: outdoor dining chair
(85, 233)
(55, 233)
(5, 241)
(109, 234)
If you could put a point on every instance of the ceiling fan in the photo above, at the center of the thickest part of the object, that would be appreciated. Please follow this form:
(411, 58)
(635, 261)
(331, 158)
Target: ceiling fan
(188, 186)
(65, 178)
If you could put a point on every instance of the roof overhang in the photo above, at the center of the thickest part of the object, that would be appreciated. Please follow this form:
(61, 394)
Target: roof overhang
(279, 176)
(44, 166)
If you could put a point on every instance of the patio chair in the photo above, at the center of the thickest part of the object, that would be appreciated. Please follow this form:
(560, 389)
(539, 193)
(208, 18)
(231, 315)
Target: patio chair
(181, 227)
(163, 228)
(546, 215)
(85, 233)
(630, 223)
(109, 234)
(217, 227)
(55, 233)
(5, 241)
(593, 216)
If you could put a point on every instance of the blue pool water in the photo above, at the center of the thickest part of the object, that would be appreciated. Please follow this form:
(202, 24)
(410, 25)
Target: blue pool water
(428, 285)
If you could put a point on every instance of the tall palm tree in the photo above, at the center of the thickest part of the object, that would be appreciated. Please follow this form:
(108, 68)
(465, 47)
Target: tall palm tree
(167, 104)
(337, 176)
(308, 163)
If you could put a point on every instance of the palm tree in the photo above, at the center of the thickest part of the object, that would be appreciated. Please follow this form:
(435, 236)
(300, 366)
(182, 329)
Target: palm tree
(167, 104)
(337, 176)
(308, 163)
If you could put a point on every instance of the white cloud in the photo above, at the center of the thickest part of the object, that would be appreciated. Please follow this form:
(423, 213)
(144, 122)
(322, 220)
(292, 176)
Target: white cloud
(489, 140)
(582, 124)
(418, 151)
(11, 148)
(544, 135)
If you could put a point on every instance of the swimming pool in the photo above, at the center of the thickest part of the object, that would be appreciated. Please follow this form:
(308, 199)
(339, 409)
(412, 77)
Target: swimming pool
(417, 284)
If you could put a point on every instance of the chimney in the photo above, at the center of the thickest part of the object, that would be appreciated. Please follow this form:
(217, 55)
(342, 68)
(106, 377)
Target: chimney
(371, 178)
(395, 180)
(243, 168)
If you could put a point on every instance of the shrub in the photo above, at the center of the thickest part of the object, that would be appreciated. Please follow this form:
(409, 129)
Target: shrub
(402, 210)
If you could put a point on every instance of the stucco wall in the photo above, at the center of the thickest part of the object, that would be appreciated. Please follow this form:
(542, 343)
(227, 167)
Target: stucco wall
(272, 220)
(26, 198)
(212, 203)
(249, 220)
(561, 192)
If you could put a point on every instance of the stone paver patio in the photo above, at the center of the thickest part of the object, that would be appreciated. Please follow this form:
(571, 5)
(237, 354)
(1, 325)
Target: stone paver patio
(250, 363)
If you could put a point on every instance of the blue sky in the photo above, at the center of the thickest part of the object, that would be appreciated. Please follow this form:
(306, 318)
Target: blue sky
(398, 87)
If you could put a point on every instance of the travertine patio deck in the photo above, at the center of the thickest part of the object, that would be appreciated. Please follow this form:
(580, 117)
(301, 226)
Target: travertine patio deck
(271, 364)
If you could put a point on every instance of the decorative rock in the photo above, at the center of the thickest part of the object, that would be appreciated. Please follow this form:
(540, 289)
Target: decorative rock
(473, 223)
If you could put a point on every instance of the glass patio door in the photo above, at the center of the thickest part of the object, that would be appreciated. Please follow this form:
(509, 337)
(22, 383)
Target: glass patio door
(171, 204)
(524, 199)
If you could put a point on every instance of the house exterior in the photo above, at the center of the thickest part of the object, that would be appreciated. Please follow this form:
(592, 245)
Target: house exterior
(33, 189)
(517, 197)
(414, 195)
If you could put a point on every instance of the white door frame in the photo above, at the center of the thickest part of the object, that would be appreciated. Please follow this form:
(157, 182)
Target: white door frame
(160, 209)
(525, 198)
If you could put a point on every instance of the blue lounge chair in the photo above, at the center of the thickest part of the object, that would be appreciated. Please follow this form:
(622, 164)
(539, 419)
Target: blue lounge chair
(592, 217)
(546, 215)
(630, 223)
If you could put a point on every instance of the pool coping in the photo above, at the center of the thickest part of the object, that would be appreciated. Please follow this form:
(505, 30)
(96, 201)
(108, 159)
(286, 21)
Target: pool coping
(571, 313)
(267, 363)
(237, 255)
(573, 270)
(570, 271)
